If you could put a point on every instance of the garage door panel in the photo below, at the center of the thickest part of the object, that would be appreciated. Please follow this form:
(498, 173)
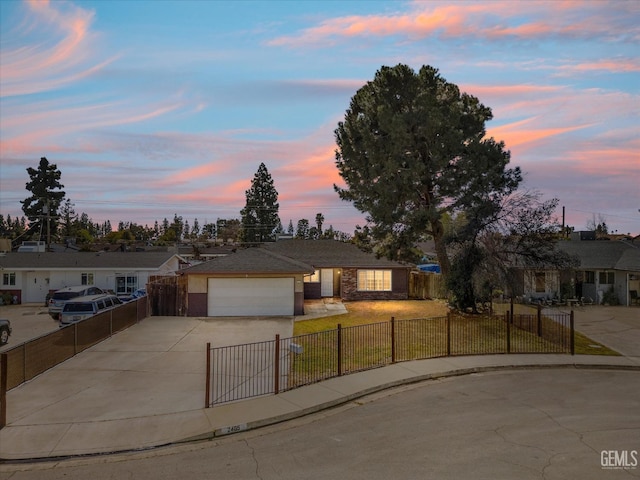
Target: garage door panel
(250, 296)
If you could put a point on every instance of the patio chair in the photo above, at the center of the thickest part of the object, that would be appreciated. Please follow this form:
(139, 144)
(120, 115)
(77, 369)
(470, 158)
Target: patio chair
(586, 301)
(633, 297)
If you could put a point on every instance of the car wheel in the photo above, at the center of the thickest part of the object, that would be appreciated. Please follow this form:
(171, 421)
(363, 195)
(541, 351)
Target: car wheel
(4, 335)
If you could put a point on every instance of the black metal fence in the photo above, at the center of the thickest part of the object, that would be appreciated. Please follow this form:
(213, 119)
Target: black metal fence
(243, 371)
(29, 359)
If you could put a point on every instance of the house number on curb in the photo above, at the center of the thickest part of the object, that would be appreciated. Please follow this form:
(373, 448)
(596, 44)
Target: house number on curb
(232, 429)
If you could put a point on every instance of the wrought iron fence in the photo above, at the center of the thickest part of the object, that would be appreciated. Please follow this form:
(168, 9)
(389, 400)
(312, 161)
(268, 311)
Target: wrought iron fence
(243, 371)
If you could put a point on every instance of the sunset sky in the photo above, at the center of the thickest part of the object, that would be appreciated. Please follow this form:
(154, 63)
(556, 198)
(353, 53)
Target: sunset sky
(156, 108)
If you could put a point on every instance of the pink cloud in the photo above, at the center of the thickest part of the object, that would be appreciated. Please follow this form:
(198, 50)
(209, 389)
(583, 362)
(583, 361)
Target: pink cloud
(492, 20)
(517, 133)
(509, 91)
(187, 175)
(43, 126)
(66, 56)
(599, 160)
(607, 65)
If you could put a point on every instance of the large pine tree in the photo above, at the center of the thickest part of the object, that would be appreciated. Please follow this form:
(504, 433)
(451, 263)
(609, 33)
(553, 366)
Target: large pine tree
(45, 200)
(412, 148)
(260, 214)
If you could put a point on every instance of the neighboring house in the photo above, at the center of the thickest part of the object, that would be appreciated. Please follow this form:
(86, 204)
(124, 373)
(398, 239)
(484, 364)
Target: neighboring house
(541, 285)
(31, 276)
(343, 270)
(605, 265)
(250, 282)
(608, 270)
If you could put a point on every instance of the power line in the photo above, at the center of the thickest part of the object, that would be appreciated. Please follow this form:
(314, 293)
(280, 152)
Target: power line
(605, 214)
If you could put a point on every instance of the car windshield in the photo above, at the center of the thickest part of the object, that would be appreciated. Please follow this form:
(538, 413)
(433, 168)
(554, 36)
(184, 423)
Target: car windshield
(78, 307)
(65, 295)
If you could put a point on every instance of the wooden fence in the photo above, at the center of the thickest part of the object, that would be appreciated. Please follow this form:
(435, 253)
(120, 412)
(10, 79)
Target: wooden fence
(167, 295)
(426, 285)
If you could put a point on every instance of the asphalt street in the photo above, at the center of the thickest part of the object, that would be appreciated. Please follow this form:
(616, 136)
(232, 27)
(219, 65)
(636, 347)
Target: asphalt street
(532, 424)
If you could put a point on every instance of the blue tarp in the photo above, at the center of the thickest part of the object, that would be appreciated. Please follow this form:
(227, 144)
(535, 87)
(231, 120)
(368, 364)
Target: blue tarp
(429, 267)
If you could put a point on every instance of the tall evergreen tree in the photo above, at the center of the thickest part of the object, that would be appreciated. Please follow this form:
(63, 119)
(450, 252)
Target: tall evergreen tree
(303, 230)
(195, 229)
(411, 148)
(68, 219)
(319, 222)
(260, 214)
(46, 197)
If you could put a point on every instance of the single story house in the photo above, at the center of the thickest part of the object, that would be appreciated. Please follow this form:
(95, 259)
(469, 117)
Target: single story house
(343, 270)
(276, 278)
(608, 271)
(250, 282)
(30, 276)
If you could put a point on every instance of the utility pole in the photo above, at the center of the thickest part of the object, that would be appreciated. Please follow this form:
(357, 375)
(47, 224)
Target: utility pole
(46, 210)
(48, 225)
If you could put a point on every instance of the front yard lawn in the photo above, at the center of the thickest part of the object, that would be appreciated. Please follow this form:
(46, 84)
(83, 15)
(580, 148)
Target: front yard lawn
(365, 312)
(368, 312)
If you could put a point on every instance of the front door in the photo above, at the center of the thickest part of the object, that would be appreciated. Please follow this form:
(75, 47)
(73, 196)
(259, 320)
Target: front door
(326, 282)
(36, 288)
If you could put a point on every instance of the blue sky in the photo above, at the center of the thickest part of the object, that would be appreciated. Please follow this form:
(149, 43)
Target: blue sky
(151, 108)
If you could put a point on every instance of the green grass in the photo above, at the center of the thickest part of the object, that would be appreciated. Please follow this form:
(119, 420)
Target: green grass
(365, 312)
(370, 346)
(368, 312)
(585, 346)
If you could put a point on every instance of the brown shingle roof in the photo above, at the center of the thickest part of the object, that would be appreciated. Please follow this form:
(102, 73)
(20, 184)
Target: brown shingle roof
(250, 260)
(329, 254)
(89, 260)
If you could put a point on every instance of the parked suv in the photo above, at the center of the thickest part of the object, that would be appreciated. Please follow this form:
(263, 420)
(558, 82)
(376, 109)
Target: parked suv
(62, 296)
(80, 308)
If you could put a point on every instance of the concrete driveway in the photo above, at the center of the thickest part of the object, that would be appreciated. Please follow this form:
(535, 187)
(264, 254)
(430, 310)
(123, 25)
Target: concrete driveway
(28, 321)
(155, 367)
(616, 327)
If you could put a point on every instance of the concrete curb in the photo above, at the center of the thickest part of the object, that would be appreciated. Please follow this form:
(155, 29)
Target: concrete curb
(291, 402)
(232, 429)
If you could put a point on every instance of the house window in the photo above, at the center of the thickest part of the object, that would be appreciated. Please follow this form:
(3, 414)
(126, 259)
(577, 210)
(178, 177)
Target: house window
(315, 278)
(374, 280)
(126, 284)
(606, 278)
(9, 278)
(87, 279)
(540, 282)
(589, 277)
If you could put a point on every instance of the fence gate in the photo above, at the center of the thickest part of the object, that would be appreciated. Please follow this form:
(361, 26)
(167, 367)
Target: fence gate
(167, 296)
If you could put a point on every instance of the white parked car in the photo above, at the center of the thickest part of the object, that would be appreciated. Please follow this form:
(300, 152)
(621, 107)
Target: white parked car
(81, 308)
(62, 296)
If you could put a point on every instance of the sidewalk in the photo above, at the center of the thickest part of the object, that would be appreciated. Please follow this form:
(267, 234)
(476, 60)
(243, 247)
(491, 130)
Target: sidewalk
(144, 388)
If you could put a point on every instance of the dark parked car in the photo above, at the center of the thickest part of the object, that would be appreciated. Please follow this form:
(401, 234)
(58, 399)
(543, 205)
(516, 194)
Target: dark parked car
(5, 331)
(141, 292)
(62, 296)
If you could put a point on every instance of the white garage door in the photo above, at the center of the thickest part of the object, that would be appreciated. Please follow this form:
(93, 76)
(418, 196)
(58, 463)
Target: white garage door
(232, 297)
